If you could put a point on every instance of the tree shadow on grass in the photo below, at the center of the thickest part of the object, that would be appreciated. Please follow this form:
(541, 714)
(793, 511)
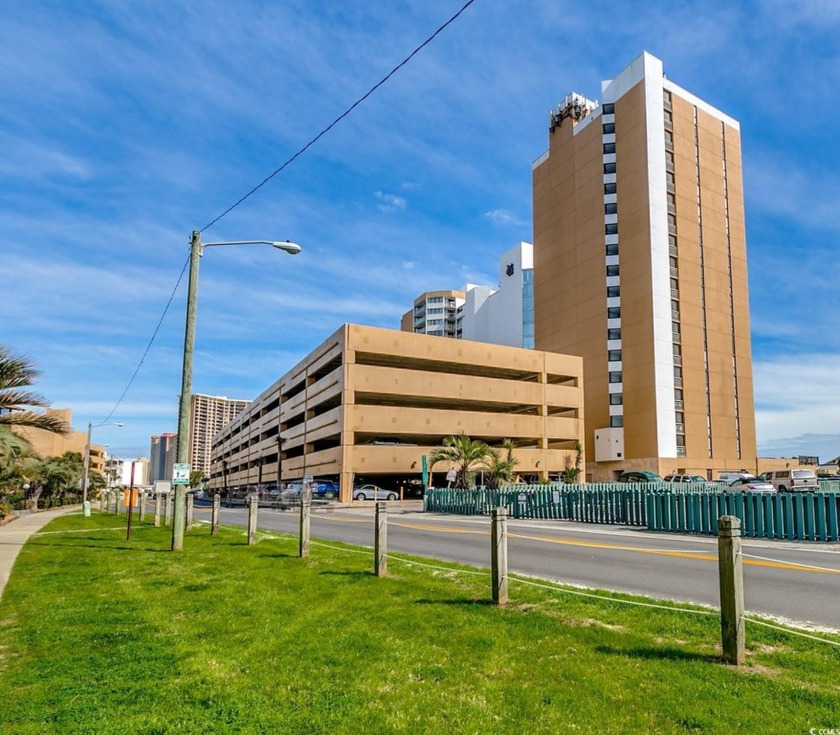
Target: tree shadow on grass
(347, 574)
(665, 653)
(460, 603)
(278, 555)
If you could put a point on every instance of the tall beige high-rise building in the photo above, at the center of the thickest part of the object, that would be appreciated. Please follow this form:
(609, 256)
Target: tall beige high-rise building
(640, 268)
(210, 414)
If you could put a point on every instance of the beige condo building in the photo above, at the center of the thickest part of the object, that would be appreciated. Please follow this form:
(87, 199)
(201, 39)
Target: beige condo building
(640, 268)
(47, 444)
(209, 415)
(369, 403)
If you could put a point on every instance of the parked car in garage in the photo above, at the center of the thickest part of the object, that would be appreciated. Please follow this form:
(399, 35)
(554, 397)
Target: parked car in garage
(373, 492)
(750, 485)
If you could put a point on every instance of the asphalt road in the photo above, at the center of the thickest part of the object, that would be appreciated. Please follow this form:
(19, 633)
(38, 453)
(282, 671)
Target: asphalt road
(796, 582)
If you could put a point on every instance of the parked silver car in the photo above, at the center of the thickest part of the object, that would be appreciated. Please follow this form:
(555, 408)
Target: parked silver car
(373, 492)
(751, 485)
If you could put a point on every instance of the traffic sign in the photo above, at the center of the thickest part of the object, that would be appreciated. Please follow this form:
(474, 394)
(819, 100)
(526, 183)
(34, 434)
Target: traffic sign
(425, 466)
(181, 474)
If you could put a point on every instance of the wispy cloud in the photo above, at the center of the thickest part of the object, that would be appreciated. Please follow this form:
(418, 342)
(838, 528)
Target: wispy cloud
(503, 217)
(390, 202)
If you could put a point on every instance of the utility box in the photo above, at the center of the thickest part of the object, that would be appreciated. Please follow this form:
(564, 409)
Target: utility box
(609, 444)
(162, 486)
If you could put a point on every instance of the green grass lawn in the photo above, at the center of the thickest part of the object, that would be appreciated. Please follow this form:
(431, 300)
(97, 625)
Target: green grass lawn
(101, 636)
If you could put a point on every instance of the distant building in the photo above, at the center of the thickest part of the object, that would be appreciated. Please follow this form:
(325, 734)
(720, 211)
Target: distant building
(48, 444)
(122, 471)
(503, 315)
(435, 313)
(210, 414)
(162, 454)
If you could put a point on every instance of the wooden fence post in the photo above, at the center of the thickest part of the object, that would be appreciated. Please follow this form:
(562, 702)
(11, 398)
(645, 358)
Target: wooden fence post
(214, 522)
(118, 502)
(102, 500)
(253, 506)
(190, 506)
(142, 511)
(167, 508)
(731, 589)
(158, 503)
(499, 565)
(305, 509)
(380, 544)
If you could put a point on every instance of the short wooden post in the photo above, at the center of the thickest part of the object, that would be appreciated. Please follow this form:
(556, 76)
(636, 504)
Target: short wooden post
(214, 520)
(190, 506)
(253, 506)
(380, 543)
(731, 573)
(499, 558)
(118, 502)
(142, 511)
(158, 504)
(102, 500)
(305, 510)
(167, 508)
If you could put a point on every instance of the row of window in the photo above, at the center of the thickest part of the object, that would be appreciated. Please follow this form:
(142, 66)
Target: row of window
(611, 249)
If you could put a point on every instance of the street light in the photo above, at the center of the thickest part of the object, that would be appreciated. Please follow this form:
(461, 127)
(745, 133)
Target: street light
(91, 427)
(184, 418)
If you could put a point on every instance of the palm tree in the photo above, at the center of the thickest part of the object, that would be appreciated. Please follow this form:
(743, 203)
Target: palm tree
(498, 470)
(17, 373)
(465, 453)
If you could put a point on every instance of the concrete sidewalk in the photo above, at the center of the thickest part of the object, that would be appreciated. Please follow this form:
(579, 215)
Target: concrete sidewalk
(15, 534)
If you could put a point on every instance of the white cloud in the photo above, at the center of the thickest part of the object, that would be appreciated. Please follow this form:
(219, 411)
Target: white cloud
(502, 217)
(390, 202)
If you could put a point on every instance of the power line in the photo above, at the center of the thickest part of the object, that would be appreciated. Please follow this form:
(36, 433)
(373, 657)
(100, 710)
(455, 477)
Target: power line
(340, 117)
(151, 341)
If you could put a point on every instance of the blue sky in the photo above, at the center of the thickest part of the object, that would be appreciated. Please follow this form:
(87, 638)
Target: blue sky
(124, 126)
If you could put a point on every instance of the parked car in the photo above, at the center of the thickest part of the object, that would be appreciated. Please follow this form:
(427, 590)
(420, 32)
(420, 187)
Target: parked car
(728, 477)
(793, 480)
(750, 485)
(639, 476)
(290, 497)
(691, 479)
(373, 492)
(326, 489)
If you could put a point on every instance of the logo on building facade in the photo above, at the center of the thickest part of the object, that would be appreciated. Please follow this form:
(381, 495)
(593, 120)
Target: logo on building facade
(509, 269)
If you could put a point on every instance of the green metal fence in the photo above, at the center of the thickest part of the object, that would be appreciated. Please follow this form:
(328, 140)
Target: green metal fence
(659, 507)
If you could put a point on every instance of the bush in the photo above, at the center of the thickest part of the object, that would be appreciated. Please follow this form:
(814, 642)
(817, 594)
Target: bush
(5, 509)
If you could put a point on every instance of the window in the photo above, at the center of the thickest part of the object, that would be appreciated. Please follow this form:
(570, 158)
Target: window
(435, 311)
(673, 261)
(609, 148)
(611, 208)
(616, 399)
(672, 241)
(609, 108)
(612, 270)
(611, 229)
(669, 179)
(614, 355)
(612, 248)
(609, 128)
(615, 376)
(435, 300)
(609, 168)
(613, 292)
(677, 350)
(669, 157)
(614, 312)
(669, 138)
(614, 334)
(672, 220)
(678, 394)
(677, 372)
(672, 199)
(609, 188)
(616, 422)
(675, 284)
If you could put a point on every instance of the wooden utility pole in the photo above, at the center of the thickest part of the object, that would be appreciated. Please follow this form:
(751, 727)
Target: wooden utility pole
(214, 521)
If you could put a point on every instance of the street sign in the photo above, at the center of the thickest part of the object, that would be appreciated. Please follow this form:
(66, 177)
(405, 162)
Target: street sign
(425, 465)
(181, 474)
(308, 479)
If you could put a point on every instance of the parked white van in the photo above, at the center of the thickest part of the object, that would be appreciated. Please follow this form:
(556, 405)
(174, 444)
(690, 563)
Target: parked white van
(793, 480)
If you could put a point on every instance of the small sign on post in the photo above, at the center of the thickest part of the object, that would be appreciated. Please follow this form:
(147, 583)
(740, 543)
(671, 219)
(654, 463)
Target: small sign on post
(181, 474)
(424, 464)
(451, 476)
